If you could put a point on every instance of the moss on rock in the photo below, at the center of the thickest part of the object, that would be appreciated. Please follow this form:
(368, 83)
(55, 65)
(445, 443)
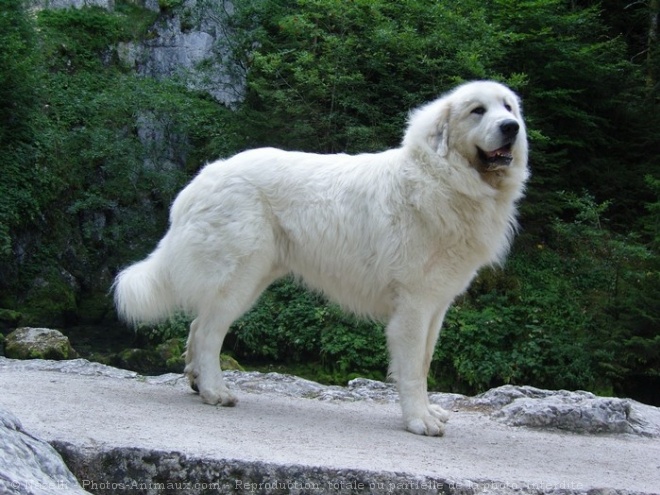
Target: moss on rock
(171, 354)
(144, 361)
(229, 363)
(38, 343)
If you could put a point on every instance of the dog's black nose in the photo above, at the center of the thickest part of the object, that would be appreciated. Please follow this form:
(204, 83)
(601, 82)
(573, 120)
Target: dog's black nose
(509, 128)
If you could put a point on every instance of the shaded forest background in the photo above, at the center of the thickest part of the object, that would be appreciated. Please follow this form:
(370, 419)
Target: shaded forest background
(83, 192)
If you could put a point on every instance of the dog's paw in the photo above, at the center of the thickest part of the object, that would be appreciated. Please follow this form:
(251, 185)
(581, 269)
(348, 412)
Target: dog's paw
(439, 413)
(432, 423)
(221, 397)
(427, 425)
(211, 391)
(192, 376)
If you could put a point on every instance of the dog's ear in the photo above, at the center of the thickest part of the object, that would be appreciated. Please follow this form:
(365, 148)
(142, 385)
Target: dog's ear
(443, 140)
(439, 141)
(428, 128)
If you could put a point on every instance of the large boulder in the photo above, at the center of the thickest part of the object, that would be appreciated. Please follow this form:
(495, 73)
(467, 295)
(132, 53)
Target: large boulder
(29, 465)
(38, 343)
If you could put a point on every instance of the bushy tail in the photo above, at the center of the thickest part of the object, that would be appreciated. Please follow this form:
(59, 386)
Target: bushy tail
(143, 292)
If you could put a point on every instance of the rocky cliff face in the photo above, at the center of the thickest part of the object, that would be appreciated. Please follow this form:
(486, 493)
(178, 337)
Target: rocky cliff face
(191, 42)
(76, 4)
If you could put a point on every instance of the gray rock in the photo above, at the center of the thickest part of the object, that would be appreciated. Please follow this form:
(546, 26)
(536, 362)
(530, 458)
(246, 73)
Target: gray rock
(38, 343)
(76, 4)
(359, 389)
(167, 148)
(72, 366)
(152, 5)
(192, 43)
(29, 465)
(579, 412)
(278, 383)
(174, 472)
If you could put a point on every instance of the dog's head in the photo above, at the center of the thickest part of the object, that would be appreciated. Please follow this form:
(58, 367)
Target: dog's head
(480, 121)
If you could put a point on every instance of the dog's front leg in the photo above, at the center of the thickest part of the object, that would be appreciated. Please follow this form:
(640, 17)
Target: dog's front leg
(407, 334)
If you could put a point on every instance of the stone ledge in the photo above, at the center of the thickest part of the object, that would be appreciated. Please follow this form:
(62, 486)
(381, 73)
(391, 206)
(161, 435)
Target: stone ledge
(115, 426)
(578, 412)
(147, 471)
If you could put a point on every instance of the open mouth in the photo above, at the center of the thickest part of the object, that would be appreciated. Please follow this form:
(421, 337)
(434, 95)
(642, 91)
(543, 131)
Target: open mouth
(500, 157)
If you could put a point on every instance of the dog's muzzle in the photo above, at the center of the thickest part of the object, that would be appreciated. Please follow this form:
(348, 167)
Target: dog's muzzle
(501, 157)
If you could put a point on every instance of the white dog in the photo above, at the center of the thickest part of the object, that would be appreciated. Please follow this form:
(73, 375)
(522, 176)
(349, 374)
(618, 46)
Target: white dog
(393, 235)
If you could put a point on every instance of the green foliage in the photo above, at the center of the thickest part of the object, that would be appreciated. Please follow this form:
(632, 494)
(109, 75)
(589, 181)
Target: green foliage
(175, 327)
(84, 39)
(19, 76)
(536, 334)
(580, 94)
(93, 156)
(297, 327)
(618, 279)
(169, 5)
(293, 325)
(79, 39)
(17, 71)
(651, 221)
(578, 312)
(343, 75)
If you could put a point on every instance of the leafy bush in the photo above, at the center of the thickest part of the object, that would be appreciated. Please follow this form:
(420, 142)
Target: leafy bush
(175, 327)
(293, 325)
(537, 334)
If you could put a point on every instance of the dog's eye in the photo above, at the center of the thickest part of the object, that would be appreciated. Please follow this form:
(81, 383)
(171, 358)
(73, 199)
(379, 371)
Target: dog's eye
(479, 110)
(507, 106)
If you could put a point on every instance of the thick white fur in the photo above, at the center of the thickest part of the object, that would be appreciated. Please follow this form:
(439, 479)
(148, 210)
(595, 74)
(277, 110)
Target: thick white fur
(393, 235)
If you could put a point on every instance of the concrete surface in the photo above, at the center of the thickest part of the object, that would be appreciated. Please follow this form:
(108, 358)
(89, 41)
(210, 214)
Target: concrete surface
(477, 454)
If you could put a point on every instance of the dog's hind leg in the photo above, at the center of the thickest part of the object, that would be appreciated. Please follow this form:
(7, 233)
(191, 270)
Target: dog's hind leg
(208, 331)
(191, 352)
(207, 334)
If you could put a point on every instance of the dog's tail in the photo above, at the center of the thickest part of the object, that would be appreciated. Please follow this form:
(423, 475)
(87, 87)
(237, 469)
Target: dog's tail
(143, 291)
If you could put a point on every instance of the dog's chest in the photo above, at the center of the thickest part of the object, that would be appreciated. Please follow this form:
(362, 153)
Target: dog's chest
(473, 233)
